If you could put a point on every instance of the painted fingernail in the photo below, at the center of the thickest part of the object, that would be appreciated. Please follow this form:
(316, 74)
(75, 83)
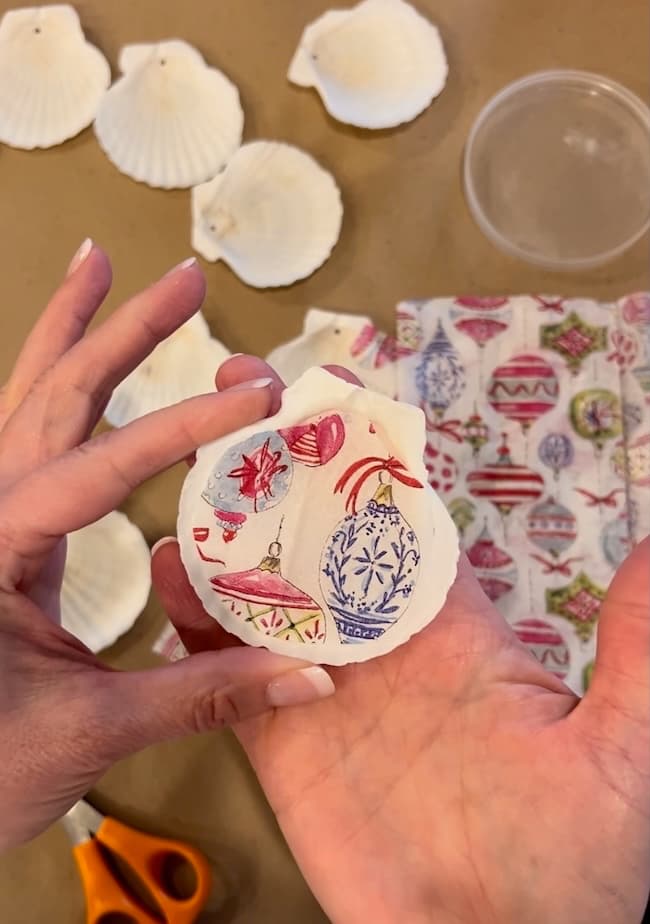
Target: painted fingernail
(296, 688)
(254, 383)
(186, 264)
(161, 542)
(79, 257)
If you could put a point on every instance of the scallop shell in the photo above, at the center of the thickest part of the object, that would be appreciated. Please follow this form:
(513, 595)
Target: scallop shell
(376, 65)
(106, 581)
(180, 367)
(51, 78)
(273, 215)
(170, 120)
(328, 338)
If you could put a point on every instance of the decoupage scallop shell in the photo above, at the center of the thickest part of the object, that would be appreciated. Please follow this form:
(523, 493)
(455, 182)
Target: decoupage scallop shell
(51, 78)
(170, 120)
(376, 65)
(273, 214)
(106, 581)
(180, 367)
(346, 550)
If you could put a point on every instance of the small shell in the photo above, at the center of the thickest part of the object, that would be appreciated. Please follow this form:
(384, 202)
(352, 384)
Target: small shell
(180, 367)
(170, 120)
(106, 581)
(329, 338)
(376, 65)
(51, 78)
(273, 215)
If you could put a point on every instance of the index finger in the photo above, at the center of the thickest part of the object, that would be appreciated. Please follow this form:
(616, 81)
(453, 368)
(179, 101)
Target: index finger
(86, 483)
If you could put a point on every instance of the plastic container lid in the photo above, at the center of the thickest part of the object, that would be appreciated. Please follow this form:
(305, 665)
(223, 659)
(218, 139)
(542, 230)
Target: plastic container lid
(557, 169)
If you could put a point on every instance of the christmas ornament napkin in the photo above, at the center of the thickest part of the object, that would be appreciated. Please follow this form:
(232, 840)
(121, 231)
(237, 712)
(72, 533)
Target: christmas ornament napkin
(538, 442)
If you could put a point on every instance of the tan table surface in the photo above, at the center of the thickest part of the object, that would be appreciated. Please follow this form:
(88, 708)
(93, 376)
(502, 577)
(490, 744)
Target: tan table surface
(407, 233)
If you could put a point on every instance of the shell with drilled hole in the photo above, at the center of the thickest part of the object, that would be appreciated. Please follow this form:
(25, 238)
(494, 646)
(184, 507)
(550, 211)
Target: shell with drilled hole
(273, 214)
(170, 120)
(51, 78)
(376, 65)
(180, 367)
(106, 581)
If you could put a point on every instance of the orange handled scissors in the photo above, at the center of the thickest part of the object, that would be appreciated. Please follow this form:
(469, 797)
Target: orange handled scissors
(146, 855)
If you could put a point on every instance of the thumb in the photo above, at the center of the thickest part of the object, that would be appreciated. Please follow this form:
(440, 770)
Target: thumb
(201, 693)
(620, 687)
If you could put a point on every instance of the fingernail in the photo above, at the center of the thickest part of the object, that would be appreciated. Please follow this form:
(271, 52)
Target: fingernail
(79, 257)
(254, 383)
(161, 542)
(295, 688)
(234, 356)
(186, 264)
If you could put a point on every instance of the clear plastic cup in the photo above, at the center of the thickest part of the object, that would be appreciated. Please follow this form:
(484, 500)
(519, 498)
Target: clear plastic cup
(557, 169)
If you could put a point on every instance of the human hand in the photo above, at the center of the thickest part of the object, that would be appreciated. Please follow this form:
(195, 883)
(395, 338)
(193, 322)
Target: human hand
(455, 780)
(64, 716)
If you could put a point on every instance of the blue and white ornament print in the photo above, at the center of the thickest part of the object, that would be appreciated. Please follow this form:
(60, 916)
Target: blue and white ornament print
(440, 376)
(370, 567)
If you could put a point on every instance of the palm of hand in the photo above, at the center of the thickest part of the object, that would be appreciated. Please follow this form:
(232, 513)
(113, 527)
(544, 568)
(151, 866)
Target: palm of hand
(460, 762)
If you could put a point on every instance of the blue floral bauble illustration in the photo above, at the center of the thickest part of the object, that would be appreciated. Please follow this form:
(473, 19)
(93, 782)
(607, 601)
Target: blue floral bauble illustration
(369, 569)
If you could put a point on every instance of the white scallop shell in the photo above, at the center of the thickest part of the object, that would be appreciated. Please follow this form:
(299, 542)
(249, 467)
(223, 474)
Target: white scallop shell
(170, 120)
(273, 214)
(376, 65)
(51, 78)
(180, 367)
(328, 338)
(106, 581)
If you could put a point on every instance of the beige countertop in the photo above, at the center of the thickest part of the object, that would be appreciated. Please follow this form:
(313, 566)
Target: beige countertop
(406, 233)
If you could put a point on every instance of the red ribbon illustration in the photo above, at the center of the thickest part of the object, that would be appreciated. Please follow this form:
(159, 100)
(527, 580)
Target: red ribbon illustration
(606, 500)
(553, 567)
(447, 428)
(373, 465)
(550, 304)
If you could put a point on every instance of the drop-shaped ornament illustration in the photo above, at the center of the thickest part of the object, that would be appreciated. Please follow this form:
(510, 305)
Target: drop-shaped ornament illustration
(440, 376)
(556, 451)
(370, 563)
(481, 319)
(494, 568)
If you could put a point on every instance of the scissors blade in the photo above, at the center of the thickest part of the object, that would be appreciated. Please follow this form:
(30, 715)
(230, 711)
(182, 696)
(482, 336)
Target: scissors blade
(81, 822)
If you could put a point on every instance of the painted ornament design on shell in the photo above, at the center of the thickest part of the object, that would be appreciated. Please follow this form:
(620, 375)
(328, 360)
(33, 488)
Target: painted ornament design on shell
(523, 389)
(505, 484)
(371, 561)
(440, 377)
(546, 644)
(573, 339)
(596, 416)
(495, 570)
(481, 319)
(255, 475)
(374, 349)
(263, 597)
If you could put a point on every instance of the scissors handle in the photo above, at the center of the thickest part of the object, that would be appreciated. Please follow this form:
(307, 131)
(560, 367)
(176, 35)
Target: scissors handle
(104, 894)
(146, 855)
